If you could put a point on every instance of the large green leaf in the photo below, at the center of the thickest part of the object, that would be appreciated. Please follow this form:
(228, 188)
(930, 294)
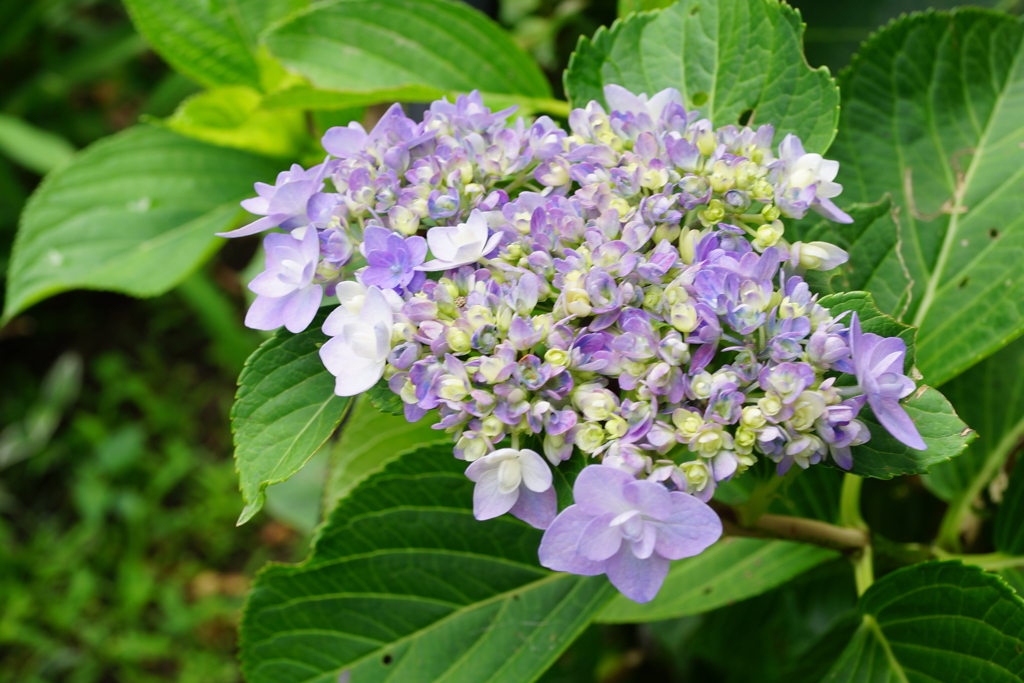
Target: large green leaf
(937, 622)
(729, 571)
(990, 398)
(945, 434)
(355, 52)
(134, 213)
(735, 60)
(369, 441)
(405, 585)
(211, 42)
(932, 112)
(285, 410)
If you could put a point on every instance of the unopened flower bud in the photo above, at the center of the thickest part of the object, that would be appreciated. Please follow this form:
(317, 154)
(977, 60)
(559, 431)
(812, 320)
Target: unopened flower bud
(458, 340)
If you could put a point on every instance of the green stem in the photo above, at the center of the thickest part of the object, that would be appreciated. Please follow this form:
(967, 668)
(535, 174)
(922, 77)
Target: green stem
(960, 507)
(850, 517)
(989, 561)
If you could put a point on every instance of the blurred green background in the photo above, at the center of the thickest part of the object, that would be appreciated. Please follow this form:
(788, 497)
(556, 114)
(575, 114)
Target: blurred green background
(119, 557)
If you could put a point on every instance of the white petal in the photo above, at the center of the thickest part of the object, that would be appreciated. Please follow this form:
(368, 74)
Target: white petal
(443, 242)
(376, 309)
(354, 374)
(536, 473)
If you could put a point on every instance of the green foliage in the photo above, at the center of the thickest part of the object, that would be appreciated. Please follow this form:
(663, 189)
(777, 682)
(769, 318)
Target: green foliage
(214, 44)
(738, 61)
(945, 434)
(370, 440)
(1009, 531)
(433, 47)
(990, 398)
(404, 584)
(284, 412)
(731, 570)
(937, 621)
(383, 399)
(931, 114)
(134, 213)
(231, 117)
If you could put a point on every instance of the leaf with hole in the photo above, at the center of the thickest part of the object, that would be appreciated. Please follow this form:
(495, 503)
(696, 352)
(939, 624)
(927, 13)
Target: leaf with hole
(284, 411)
(133, 213)
(405, 585)
(932, 112)
(737, 61)
(941, 622)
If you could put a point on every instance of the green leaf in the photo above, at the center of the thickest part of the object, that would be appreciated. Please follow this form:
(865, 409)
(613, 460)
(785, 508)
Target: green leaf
(433, 47)
(814, 493)
(1009, 532)
(36, 149)
(231, 117)
(284, 411)
(872, 239)
(940, 622)
(729, 571)
(370, 440)
(932, 111)
(945, 434)
(734, 60)
(206, 41)
(990, 398)
(133, 213)
(405, 585)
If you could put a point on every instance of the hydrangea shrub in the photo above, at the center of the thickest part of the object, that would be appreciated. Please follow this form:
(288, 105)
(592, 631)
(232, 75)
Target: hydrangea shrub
(633, 354)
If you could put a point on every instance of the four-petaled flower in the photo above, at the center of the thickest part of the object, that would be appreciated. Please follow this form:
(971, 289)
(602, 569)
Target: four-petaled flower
(391, 260)
(516, 481)
(628, 529)
(285, 291)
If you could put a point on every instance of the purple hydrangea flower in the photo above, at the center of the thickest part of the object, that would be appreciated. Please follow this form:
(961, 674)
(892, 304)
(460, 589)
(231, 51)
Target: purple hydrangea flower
(878, 365)
(283, 204)
(628, 529)
(516, 481)
(392, 261)
(285, 291)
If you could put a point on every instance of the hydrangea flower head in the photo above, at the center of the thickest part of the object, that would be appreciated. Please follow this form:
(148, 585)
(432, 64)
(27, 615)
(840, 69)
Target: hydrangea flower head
(621, 295)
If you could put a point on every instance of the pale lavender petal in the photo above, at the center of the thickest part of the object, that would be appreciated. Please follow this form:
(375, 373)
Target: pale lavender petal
(650, 498)
(692, 528)
(268, 284)
(488, 500)
(895, 419)
(639, 580)
(344, 142)
(265, 223)
(266, 313)
(599, 489)
(828, 209)
(302, 307)
(599, 539)
(536, 509)
(558, 546)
